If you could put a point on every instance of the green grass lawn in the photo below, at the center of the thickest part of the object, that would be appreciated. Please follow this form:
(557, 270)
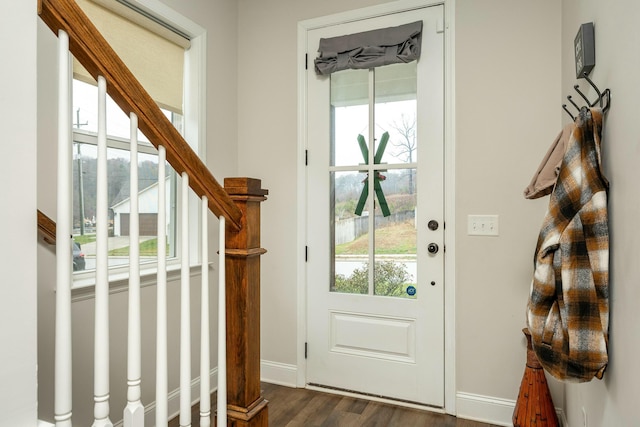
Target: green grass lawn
(85, 238)
(147, 248)
(394, 239)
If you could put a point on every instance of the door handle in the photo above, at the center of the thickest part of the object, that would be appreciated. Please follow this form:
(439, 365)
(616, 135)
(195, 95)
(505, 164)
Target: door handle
(433, 248)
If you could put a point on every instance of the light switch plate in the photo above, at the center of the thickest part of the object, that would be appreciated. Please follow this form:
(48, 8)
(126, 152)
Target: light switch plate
(482, 225)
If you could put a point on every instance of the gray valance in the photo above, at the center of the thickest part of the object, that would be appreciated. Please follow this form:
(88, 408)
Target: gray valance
(370, 49)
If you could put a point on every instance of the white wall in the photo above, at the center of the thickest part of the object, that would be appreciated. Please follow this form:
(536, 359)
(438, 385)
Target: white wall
(219, 19)
(18, 316)
(613, 401)
(507, 114)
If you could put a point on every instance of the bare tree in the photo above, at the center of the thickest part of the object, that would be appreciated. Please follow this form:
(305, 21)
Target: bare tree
(407, 143)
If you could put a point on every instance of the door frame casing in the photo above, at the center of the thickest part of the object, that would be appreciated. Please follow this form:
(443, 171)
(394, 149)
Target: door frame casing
(449, 179)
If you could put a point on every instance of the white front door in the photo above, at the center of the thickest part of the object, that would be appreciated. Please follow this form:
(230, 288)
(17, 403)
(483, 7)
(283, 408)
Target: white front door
(379, 330)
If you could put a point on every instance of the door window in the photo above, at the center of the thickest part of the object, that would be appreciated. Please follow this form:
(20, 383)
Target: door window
(373, 186)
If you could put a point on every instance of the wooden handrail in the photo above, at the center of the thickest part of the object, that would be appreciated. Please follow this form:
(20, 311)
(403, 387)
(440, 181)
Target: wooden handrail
(47, 227)
(91, 49)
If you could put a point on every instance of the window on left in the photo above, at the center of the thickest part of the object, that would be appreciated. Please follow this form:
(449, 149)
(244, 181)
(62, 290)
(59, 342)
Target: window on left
(85, 102)
(155, 54)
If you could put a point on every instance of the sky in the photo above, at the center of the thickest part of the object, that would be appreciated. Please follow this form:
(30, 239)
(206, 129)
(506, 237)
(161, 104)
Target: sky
(353, 120)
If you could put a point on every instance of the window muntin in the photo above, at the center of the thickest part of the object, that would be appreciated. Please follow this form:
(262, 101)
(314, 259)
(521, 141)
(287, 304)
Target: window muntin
(373, 199)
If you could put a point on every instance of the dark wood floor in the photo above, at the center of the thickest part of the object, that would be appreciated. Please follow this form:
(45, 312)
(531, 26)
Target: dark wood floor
(298, 407)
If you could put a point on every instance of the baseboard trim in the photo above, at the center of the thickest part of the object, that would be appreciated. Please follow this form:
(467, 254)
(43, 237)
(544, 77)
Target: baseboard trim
(173, 405)
(278, 373)
(563, 418)
(492, 410)
(486, 409)
(271, 372)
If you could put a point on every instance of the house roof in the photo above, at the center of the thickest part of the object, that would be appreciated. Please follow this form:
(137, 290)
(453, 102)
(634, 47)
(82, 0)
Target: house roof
(141, 193)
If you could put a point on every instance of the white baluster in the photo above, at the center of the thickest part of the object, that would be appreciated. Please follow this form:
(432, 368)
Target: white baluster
(161, 319)
(134, 411)
(62, 398)
(205, 386)
(101, 344)
(185, 311)
(222, 330)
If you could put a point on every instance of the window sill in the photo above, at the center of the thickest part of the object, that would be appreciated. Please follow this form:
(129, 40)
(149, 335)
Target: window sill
(84, 288)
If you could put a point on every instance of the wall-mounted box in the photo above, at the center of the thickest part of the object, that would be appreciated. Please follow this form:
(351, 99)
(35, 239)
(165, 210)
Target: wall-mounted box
(585, 50)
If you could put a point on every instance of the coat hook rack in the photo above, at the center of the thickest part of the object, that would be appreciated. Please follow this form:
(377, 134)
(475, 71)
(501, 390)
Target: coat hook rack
(564, 107)
(577, 89)
(573, 103)
(603, 100)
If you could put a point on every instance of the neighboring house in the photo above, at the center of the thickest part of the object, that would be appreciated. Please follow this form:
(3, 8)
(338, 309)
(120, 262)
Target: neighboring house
(513, 67)
(147, 208)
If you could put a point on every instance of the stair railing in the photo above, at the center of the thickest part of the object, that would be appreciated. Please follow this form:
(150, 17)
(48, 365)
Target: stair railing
(78, 36)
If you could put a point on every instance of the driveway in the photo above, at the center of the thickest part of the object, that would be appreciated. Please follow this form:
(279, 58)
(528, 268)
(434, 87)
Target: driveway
(116, 242)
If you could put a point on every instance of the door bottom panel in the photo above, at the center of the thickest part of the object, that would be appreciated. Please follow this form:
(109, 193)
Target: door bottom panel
(380, 337)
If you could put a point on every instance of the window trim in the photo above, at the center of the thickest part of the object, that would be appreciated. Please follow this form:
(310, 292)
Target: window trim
(194, 122)
(120, 282)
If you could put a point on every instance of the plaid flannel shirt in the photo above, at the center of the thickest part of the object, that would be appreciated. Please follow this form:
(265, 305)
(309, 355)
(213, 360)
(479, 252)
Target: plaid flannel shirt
(568, 309)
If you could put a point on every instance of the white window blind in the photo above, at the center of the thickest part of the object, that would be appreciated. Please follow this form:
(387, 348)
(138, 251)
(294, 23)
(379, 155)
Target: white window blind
(154, 55)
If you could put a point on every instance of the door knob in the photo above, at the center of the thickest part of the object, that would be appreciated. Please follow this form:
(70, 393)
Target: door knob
(433, 248)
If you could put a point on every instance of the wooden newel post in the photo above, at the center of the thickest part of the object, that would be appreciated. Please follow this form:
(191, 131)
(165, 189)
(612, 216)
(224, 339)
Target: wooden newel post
(245, 404)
